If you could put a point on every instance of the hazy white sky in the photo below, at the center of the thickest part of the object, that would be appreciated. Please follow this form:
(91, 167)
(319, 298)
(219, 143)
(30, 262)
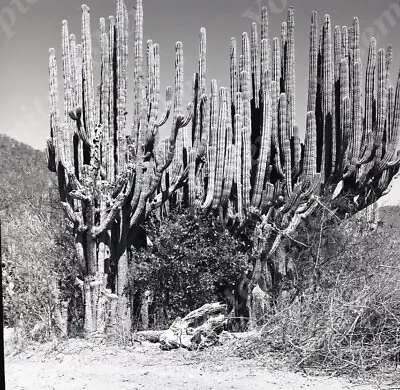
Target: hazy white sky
(28, 28)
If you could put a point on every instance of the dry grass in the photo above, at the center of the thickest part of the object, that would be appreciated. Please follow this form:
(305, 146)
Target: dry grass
(346, 321)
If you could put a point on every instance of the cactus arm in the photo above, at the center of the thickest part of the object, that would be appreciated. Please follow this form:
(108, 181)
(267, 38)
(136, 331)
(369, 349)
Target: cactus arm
(233, 71)
(265, 151)
(290, 76)
(255, 65)
(313, 63)
(87, 66)
(221, 147)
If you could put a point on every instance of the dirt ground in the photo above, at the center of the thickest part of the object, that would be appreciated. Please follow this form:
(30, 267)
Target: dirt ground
(78, 364)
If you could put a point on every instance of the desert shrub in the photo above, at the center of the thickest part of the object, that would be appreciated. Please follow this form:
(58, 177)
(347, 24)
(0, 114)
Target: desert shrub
(38, 269)
(193, 259)
(345, 316)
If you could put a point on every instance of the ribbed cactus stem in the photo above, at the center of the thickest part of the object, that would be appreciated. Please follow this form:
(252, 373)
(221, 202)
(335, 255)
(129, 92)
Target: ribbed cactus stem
(67, 70)
(265, 72)
(214, 107)
(313, 63)
(138, 39)
(73, 78)
(388, 63)
(87, 65)
(206, 123)
(246, 53)
(288, 168)
(54, 101)
(394, 123)
(283, 133)
(356, 37)
(112, 163)
(178, 93)
(212, 146)
(310, 147)
(78, 76)
(239, 153)
(229, 170)
(351, 59)
(137, 71)
(221, 146)
(234, 77)
(329, 147)
(265, 151)
(246, 137)
(336, 94)
(337, 52)
(369, 95)
(265, 47)
(197, 134)
(68, 94)
(212, 160)
(296, 148)
(122, 64)
(264, 23)
(156, 91)
(202, 60)
(381, 100)
(345, 42)
(192, 176)
(149, 73)
(284, 37)
(255, 65)
(357, 115)
(391, 130)
(105, 96)
(290, 76)
(276, 63)
(346, 123)
(275, 127)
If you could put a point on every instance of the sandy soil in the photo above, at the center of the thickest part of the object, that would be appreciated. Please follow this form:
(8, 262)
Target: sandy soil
(79, 364)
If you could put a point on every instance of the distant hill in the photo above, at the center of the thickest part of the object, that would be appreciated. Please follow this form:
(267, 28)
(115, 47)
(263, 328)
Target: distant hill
(23, 174)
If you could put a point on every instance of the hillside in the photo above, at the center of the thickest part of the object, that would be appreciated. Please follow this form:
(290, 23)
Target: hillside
(23, 174)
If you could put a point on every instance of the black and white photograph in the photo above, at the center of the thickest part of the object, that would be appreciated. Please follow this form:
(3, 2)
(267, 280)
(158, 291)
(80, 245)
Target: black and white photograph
(200, 194)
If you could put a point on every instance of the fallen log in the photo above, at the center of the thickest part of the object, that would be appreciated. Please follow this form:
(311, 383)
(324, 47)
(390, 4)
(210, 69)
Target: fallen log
(152, 336)
(199, 329)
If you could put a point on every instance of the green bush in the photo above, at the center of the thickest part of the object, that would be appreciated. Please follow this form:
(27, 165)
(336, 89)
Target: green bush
(191, 262)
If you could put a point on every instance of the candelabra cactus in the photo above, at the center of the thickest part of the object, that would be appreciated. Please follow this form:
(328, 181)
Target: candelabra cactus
(256, 166)
(241, 156)
(349, 148)
(108, 171)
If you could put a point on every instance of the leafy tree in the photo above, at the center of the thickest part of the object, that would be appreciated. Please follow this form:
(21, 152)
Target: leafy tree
(191, 261)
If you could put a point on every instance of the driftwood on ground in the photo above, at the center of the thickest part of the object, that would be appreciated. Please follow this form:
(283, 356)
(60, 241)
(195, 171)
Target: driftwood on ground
(200, 328)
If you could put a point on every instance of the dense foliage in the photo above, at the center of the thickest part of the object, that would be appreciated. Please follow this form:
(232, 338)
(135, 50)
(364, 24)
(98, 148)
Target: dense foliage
(192, 261)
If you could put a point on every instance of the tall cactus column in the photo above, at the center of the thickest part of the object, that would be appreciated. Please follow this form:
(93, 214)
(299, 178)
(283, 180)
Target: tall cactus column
(109, 173)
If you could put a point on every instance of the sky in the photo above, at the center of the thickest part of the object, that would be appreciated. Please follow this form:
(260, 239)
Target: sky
(28, 28)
